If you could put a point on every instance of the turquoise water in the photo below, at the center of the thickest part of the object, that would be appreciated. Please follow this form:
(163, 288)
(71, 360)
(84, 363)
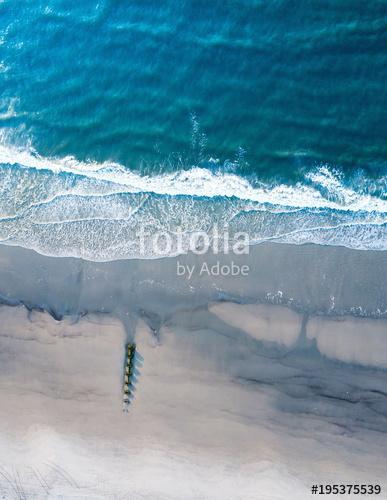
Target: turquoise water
(276, 111)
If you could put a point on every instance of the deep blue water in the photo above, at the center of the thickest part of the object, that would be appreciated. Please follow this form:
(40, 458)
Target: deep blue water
(275, 92)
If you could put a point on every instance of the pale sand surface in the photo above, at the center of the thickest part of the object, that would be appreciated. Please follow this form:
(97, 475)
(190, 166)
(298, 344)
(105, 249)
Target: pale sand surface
(262, 322)
(353, 340)
(349, 339)
(215, 415)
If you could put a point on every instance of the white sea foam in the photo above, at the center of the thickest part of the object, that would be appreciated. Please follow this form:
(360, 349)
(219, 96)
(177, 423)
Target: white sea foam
(201, 182)
(86, 209)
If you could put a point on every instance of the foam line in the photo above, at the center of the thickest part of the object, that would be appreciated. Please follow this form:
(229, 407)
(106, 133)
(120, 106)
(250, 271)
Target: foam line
(201, 182)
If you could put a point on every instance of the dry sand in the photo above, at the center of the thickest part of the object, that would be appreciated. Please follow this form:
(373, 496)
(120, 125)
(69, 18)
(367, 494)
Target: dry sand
(215, 414)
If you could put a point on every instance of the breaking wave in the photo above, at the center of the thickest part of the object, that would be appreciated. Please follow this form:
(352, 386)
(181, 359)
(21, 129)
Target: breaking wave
(63, 207)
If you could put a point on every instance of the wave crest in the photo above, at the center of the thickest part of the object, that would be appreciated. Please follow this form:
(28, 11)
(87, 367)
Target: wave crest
(63, 207)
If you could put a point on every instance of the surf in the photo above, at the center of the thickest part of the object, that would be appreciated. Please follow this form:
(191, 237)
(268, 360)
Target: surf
(65, 207)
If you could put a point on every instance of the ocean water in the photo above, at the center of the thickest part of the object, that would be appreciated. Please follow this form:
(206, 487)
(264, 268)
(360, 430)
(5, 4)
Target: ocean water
(268, 117)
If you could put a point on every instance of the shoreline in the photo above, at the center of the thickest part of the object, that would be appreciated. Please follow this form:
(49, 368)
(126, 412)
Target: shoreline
(238, 386)
(311, 279)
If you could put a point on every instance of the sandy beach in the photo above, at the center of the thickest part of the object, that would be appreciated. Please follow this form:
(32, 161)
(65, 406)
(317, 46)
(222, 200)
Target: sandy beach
(225, 407)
